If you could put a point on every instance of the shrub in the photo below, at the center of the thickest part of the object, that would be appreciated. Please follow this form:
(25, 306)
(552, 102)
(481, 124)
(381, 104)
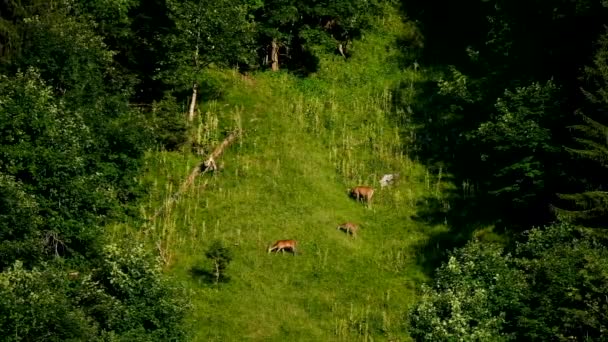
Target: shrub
(221, 257)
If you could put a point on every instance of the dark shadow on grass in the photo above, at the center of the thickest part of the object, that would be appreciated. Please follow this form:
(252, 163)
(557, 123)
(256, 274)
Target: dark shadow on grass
(432, 134)
(206, 276)
(462, 218)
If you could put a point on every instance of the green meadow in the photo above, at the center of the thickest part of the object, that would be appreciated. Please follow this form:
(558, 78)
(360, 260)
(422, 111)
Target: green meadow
(304, 142)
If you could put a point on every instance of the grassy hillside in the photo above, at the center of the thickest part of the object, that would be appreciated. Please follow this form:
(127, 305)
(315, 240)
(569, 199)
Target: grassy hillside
(305, 141)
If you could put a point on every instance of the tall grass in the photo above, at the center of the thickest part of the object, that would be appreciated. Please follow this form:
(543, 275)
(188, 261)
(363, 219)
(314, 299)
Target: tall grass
(305, 142)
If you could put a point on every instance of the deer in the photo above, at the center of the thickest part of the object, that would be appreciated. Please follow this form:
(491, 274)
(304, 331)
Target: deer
(361, 193)
(282, 245)
(349, 228)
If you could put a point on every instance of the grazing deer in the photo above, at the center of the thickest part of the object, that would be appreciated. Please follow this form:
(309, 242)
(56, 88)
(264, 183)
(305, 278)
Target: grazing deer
(282, 245)
(349, 228)
(362, 193)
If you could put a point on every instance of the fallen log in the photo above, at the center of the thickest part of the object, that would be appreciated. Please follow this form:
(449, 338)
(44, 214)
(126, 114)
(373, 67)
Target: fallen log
(201, 168)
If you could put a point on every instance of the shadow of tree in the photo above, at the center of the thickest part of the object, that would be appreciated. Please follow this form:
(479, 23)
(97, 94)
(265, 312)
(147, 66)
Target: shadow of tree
(432, 131)
(206, 276)
(441, 129)
(461, 216)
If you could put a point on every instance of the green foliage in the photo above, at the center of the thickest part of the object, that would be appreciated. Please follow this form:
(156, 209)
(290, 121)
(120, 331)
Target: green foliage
(62, 175)
(125, 299)
(515, 145)
(131, 300)
(552, 288)
(589, 207)
(72, 57)
(78, 67)
(112, 16)
(221, 256)
(569, 280)
(169, 123)
(44, 147)
(457, 86)
(506, 73)
(20, 221)
(304, 27)
(471, 298)
(206, 32)
(35, 305)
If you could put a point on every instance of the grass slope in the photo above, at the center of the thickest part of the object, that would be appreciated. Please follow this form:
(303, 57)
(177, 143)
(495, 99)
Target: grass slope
(306, 141)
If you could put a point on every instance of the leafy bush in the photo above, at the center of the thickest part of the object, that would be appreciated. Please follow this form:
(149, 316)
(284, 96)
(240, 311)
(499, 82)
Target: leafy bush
(125, 299)
(553, 288)
(35, 305)
(471, 297)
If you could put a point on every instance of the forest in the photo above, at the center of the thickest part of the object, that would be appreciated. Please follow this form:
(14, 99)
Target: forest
(152, 151)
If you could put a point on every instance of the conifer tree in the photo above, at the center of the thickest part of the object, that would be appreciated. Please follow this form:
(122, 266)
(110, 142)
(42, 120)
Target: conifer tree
(589, 207)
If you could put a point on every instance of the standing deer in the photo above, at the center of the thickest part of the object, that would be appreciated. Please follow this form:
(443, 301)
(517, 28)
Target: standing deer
(349, 228)
(282, 245)
(362, 193)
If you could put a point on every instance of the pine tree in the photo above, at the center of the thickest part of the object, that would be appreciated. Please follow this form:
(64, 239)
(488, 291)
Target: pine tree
(589, 207)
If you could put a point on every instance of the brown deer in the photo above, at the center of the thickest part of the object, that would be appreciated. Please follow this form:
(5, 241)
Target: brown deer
(361, 193)
(349, 228)
(282, 245)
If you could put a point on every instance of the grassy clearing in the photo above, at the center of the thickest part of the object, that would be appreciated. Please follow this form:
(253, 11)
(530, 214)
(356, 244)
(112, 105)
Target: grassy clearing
(306, 141)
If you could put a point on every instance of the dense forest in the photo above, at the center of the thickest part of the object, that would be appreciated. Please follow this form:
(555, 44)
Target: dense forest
(495, 112)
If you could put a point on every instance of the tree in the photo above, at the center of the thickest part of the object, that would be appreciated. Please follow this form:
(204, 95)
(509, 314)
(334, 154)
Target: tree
(206, 32)
(43, 147)
(126, 298)
(278, 22)
(21, 236)
(300, 28)
(471, 298)
(503, 54)
(551, 286)
(516, 149)
(221, 257)
(35, 305)
(129, 296)
(590, 206)
(69, 149)
(78, 66)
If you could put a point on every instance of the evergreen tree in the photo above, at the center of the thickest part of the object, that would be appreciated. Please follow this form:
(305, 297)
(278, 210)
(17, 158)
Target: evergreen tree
(589, 207)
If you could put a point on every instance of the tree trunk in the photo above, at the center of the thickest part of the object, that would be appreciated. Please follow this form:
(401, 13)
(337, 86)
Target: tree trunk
(198, 169)
(193, 102)
(217, 272)
(274, 55)
(341, 49)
